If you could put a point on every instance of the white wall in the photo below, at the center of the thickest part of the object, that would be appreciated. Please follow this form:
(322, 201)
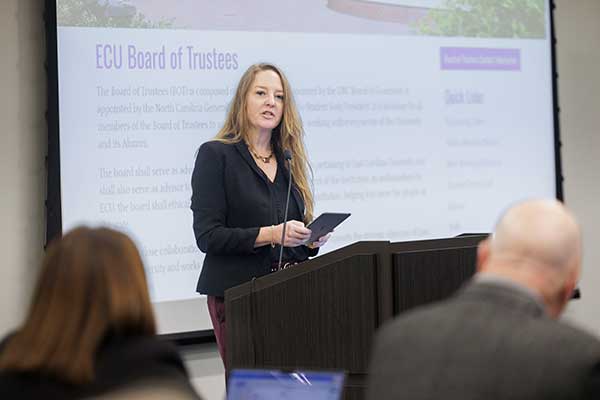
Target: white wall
(22, 149)
(578, 32)
(23, 144)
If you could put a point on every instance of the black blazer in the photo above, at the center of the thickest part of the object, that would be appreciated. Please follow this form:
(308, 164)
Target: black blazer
(230, 202)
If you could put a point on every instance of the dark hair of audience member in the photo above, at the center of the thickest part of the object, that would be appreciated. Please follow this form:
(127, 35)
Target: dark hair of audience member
(92, 284)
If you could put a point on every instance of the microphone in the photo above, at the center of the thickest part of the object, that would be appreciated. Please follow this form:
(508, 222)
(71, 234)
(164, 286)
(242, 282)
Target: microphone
(287, 155)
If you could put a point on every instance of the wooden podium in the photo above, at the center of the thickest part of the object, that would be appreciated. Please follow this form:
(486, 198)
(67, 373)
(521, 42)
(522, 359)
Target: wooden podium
(322, 314)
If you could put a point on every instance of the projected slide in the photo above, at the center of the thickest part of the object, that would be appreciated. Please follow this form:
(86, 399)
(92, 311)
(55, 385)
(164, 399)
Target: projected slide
(423, 118)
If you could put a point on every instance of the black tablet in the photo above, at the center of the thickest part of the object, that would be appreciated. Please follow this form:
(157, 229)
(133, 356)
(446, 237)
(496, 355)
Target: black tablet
(324, 224)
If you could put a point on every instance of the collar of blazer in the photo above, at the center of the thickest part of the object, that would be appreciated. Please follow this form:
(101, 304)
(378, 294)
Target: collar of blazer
(502, 295)
(245, 153)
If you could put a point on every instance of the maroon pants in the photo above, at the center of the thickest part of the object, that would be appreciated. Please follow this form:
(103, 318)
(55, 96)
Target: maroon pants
(216, 309)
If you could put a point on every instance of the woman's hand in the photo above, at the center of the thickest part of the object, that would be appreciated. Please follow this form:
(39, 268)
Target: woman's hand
(296, 234)
(319, 243)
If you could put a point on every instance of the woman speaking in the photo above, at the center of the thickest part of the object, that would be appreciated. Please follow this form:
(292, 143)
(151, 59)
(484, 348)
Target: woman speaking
(239, 189)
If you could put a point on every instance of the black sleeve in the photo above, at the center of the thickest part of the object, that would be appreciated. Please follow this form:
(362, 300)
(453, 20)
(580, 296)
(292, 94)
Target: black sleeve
(209, 207)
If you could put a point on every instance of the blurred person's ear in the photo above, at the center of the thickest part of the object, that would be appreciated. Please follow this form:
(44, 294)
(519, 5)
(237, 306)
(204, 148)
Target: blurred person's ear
(483, 254)
(570, 285)
(565, 293)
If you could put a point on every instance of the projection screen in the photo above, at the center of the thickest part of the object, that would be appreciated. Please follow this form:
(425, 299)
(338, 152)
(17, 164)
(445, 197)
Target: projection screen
(424, 119)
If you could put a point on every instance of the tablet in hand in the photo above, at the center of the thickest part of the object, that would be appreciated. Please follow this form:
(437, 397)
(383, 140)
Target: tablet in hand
(324, 224)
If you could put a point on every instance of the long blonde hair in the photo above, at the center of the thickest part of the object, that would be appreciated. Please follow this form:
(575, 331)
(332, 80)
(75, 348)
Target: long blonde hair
(289, 134)
(92, 284)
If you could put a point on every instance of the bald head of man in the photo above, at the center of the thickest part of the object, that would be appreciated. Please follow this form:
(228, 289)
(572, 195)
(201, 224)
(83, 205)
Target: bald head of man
(537, 244)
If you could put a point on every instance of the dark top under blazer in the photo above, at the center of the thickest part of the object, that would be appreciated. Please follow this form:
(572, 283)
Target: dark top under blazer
(230, 202)
(123, 365)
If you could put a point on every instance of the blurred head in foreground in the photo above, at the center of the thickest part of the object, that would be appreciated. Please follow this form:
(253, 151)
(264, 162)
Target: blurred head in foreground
(536, 243)
(92, 285)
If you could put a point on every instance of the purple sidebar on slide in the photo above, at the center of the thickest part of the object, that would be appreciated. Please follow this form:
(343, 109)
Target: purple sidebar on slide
(482, 59)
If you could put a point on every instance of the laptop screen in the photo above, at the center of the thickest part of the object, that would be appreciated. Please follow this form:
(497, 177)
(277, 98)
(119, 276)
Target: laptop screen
(276, 385)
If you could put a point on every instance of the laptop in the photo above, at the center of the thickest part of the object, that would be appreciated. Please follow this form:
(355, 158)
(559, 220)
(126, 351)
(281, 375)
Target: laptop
(246, 384)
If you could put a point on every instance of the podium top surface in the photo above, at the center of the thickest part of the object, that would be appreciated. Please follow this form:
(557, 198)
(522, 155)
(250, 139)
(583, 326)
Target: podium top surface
(381, 248)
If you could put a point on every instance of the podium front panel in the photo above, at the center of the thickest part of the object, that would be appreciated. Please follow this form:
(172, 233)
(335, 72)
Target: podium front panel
(430, 275)
(323, 319)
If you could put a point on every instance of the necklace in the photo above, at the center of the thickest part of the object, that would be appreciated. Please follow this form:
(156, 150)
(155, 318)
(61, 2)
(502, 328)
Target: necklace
(264, 159)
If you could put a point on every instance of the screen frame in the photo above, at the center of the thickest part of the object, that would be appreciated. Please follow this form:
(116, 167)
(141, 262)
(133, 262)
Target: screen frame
(52, 160)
